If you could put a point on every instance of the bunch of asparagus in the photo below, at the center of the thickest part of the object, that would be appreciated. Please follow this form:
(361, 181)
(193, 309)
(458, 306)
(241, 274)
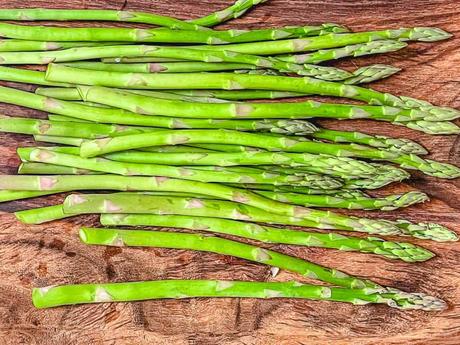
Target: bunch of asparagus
(171, 128)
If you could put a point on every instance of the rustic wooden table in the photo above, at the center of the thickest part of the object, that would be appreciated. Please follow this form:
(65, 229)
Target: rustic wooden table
(52, 254)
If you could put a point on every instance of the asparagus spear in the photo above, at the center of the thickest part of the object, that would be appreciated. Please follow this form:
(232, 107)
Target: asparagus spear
(72, 94)
(138, 183)
(107, 115)
(66, 129)
(230, 210)
(85, 53)
(348, 193)
(388, 203)
(233, 81)
(34, 14)
(365, 74)
(392, 250)
(333, 40)
(174, 240)
(146, 105)
(225, 176)
(353, 50)
(109, 145)
(163, 35)
(236, 10)
(347, 199)
(53, 296)
(340, 166)
(163, 67)
(399, 145)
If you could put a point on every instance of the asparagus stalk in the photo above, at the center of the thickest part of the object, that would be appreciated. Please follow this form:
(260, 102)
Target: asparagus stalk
(347, 199)
(348, 193)
(333, 40)
(388, 203)
(233, 81)
(353, 50)
(132, 169)
(35, 14)
(66, 129)
(339, 166)
(79, 204)
(392, 250)
(53, 296)
(72, 94)
(163, 67)
(85, 53)
(138, 183)
(117, 116)
(229, 210)
(146, 105)
(399, 145)
(315, 57)
(109, 145)
(174, 240)
(236, 10)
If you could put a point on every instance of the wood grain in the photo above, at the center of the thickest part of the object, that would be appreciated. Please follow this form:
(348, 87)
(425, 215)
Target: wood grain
(52, 254)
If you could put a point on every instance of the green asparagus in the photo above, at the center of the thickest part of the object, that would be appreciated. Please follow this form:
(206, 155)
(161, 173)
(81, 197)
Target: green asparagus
(174, 240)
(333, 40)
(353, 50)
(232, 81)
(399, 145)
(392, 250)
(34, 14)
(163, 35)
(118, 116)
(146, 105)
(236, 10)
(109, 145)
(133, 169)
(85, 53)
(53, 296)
(231, 210)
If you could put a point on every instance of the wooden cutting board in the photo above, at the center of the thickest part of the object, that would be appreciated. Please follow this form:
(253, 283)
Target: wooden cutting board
(52, 254)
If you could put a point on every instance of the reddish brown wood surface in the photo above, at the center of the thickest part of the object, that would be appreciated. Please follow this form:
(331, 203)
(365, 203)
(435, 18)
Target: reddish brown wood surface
(52, 254)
